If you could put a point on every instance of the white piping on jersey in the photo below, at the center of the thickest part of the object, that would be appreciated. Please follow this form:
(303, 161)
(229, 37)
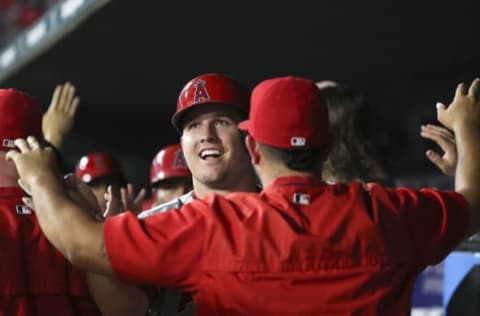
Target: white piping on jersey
(176, 203)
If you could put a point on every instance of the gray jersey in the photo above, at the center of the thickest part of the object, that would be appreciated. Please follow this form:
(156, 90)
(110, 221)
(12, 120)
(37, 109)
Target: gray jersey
(168, 300)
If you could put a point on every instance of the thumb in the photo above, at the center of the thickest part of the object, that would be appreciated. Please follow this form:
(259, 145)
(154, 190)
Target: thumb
(441, 108)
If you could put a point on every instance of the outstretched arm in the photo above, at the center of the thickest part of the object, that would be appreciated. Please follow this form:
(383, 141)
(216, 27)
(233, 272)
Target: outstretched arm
(462, 116)
(68, 223)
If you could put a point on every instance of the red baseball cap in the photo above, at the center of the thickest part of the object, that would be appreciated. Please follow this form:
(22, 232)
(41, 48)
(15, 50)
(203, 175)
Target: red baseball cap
(20, 117)
(210, 88)
(169, 163)
(97, 165)
(288, 112)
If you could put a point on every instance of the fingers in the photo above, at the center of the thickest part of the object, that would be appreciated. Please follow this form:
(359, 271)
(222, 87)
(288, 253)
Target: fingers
(436, 159)
(70, 94)
(26, 145)
(66, 97)
(55, 97)
(12, 155)
(131, 191)
(109, 210)
(435, 129)
(140, 196)
(114, 205)
(33, 143)
(124, 197)
(72, 110)
(22, 145)
(443, 137)
(63, 95)
(473, 90)
(460, 91)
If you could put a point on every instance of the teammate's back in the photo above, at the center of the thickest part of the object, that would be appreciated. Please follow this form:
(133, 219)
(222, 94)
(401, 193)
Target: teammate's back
(35, 279)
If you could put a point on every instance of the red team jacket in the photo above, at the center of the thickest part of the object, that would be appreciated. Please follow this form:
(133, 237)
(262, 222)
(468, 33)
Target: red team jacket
(300, 247)
(35, 279)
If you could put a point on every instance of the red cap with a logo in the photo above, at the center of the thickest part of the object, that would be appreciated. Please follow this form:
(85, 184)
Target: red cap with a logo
(211, 88)
(288, 113)
(169, 163)
(20, 117)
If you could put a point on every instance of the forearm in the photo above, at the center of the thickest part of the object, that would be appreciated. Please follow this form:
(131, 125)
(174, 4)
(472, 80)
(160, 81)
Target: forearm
(116, 298)
(68, 226)
(467, 176)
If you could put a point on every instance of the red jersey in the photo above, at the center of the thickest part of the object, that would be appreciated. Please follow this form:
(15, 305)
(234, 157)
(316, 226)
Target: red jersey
(300, 247)
(35, 279)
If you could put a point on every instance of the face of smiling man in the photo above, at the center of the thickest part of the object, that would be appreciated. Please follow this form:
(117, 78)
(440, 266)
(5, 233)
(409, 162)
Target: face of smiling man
(214, 150)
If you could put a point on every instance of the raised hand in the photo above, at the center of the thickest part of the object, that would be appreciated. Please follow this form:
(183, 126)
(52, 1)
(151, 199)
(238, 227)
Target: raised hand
(126, 200)
(130, 201)
(444, 138)
(464, 111)
(114, 202)
(59, 118)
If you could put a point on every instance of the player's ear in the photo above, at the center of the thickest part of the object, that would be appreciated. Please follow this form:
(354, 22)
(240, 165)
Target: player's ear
(252, 148)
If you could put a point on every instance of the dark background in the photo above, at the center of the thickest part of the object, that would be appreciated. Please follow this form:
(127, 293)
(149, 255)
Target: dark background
(131, 59)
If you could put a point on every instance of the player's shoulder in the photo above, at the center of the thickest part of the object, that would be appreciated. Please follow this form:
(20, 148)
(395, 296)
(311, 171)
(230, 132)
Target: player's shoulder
(165, 207)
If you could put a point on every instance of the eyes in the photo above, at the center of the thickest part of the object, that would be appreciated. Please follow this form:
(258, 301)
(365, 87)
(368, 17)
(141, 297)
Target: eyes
(218, 122)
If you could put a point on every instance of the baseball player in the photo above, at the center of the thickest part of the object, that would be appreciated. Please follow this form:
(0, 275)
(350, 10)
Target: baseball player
(35, 279)
(208, 108)
(169, 175)
(99, 170)
(301, 246)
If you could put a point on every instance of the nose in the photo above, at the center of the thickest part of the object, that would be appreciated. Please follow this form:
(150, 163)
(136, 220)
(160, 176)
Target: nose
(209, 133)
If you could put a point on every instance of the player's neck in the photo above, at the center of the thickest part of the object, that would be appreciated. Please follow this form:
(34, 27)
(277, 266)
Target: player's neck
(247, 184)
(268, 173)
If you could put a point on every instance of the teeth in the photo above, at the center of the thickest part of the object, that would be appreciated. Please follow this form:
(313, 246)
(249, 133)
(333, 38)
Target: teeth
(209, 152)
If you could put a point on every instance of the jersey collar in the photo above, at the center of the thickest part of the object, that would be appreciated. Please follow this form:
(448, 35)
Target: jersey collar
(296, 180)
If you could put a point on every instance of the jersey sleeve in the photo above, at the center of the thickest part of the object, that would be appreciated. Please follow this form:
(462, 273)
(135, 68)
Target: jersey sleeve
(162, 250)
(434, 221)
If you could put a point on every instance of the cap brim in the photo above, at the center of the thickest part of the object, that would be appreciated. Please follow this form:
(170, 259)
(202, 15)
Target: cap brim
(244, 125)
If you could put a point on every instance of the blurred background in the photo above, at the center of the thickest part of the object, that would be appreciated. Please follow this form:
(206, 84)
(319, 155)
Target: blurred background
(129, 61)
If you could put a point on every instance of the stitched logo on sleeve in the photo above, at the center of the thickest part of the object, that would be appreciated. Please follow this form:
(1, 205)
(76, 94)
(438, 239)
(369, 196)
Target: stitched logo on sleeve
(23, 210)
(8, 143)
(201, 93)
(301, 198)
(298, 141)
